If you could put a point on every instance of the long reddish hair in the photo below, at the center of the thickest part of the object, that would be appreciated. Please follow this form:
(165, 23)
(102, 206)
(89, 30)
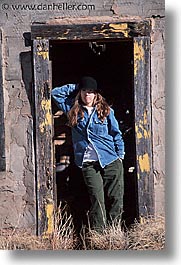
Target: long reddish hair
(102, 107)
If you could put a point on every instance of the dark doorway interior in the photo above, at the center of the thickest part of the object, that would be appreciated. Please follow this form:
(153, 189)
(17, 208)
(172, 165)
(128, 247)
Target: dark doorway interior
(111, 64)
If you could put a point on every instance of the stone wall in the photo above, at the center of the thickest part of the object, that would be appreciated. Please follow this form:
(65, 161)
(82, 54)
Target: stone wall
(17, 185)
(158, 111)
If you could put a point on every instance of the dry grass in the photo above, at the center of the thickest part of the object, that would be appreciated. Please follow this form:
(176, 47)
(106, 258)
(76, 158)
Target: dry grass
(63, 236)
(111, 238)
(61, 239)
(20, 240)
(149, 234)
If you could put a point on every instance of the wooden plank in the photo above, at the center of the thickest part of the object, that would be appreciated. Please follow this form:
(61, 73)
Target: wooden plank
(90, 31)
(2, 128)
(143, 125)
(44, 149)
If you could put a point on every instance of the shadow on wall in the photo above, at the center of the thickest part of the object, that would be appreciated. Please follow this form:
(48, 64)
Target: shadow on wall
(27, 75)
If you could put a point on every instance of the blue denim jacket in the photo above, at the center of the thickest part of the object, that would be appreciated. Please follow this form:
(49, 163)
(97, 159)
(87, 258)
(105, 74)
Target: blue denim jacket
(106, 137)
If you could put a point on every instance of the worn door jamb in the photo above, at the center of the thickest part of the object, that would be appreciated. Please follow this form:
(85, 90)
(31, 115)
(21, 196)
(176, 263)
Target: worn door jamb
(43, 127)
(143, 132)
(139, 32)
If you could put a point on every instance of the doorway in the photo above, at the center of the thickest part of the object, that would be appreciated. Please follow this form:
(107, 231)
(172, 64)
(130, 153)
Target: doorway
(111, 64)
(118, 56)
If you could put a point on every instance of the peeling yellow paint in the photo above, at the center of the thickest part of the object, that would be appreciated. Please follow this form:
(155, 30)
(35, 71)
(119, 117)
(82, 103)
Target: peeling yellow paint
(38, 185)
(141, 220)
(104, 32)
(138, 55)
(67, 32)
(145, 121)
(138, 176)
(146, 133)
(138, 133)
(44, 54)
(61, 38)
(142, 132)
(117, 28)
(39, 215)
(123, 28)
(139, 51)
(46, 107)
(49, 214)
(144, 163)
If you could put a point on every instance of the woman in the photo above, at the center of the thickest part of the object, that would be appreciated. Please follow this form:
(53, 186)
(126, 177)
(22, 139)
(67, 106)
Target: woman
(98, 147)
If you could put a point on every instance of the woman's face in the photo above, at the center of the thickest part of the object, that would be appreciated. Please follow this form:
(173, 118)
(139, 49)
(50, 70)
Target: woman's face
(87, 96)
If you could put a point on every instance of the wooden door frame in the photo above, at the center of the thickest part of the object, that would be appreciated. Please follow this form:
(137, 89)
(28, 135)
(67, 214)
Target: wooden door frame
(41, 34)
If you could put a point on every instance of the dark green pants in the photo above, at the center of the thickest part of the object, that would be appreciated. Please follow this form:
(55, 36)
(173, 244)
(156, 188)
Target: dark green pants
(106, 189)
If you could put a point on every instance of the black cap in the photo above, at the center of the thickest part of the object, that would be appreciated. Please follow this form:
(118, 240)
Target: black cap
(88, 82)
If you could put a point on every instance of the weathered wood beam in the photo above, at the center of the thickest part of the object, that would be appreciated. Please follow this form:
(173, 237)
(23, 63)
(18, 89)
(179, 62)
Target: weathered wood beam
(44, 149)
(143, 125)
(90, 31)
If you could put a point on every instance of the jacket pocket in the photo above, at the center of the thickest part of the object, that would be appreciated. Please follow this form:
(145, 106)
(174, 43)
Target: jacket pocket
(99, 126)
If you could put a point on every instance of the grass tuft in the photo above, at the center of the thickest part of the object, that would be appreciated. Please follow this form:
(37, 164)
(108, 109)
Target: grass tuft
(149, 234)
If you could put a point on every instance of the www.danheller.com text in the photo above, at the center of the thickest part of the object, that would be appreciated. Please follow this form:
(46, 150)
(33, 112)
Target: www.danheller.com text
(47, 7)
